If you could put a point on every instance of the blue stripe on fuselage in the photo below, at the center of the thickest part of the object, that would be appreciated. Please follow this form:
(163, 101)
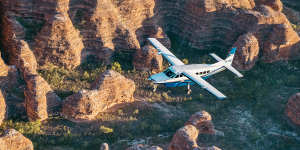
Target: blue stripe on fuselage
(184, 83)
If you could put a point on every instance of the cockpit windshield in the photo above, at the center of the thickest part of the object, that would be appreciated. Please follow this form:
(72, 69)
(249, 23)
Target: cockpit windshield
(169, 73)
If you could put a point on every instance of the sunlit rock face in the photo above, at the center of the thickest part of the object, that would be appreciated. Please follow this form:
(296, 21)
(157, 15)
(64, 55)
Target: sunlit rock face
(186, 137)
(247, 52)
(40, 99)
(26, 61)
(2, 107)
(14, 140)
(74, 29)
(219, 24)
(293, 109)
(59, 41)
(110, 89)
(202, 121)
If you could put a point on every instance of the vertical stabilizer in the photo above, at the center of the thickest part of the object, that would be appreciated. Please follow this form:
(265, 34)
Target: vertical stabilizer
(230, 57)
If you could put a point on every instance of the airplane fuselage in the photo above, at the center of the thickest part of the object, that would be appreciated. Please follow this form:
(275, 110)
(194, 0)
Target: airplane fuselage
(173, 77)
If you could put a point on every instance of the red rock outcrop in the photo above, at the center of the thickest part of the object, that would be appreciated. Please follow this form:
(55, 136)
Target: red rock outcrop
(13, 32)
(2, 107)
(3, 67)
(218, 24)
(293, 109)
(109, 26)
(109, 89)
(59, 42)
(40, 99)
(280, 43)
(247, 52)
(13, 140)
(202, 121)
(26, 61)
(144, 147)
(275, 4)
(147, 57)
(186, 137)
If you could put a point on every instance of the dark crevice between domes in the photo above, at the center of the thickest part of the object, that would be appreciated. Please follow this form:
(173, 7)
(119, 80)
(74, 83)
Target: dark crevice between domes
(3, 54)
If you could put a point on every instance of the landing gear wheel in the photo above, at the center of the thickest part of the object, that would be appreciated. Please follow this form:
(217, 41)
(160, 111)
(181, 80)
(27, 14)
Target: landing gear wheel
(189, 91)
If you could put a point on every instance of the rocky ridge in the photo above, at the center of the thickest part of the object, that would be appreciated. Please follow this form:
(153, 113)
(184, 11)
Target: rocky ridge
(13, 140)
(111, 88)
(108, 27)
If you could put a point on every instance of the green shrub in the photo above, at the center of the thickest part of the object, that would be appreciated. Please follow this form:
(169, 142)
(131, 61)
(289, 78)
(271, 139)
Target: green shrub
(185, 61)
(104, 129)
(116, 66)
(23, 127)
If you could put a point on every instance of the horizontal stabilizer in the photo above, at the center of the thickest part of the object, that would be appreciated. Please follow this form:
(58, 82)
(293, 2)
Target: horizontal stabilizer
(216, 57)
(229, 67)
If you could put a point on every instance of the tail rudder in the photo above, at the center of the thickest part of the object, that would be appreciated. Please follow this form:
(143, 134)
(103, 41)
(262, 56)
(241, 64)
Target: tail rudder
(230, 56)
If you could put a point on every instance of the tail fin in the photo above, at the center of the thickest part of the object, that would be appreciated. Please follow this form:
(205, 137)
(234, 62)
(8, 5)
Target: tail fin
(228, 61)
(230, 56)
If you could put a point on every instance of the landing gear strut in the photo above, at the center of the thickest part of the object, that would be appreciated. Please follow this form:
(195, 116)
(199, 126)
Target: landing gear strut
(155, 87)
(189, 91)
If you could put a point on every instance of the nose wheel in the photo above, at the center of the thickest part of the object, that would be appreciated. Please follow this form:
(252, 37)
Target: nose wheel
(189, 91)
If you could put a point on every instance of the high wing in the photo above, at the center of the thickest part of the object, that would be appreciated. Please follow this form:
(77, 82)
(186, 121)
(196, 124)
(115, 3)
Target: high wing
(204, 84)
(172, 59)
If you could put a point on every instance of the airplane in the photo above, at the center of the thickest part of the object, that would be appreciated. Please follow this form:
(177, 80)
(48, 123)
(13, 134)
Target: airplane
(179, 74)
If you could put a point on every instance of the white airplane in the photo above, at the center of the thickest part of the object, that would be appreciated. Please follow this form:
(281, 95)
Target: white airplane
(179, 74)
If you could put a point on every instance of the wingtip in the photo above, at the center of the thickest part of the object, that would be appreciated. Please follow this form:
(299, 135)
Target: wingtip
(222, 98)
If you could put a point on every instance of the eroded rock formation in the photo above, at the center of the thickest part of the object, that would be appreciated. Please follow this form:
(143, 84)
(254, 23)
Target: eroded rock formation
(109, 89)
(26, 61)
(110, 26)
(293, 109)
(218, 24)
(247, 52)
(186, 137)
(202, 121)
(13, 31)
(2, 107)
(40, 99)
(13, 140)
(59, 42)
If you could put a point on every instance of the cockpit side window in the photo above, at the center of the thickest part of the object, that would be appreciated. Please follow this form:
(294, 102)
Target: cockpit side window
(169, 73)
